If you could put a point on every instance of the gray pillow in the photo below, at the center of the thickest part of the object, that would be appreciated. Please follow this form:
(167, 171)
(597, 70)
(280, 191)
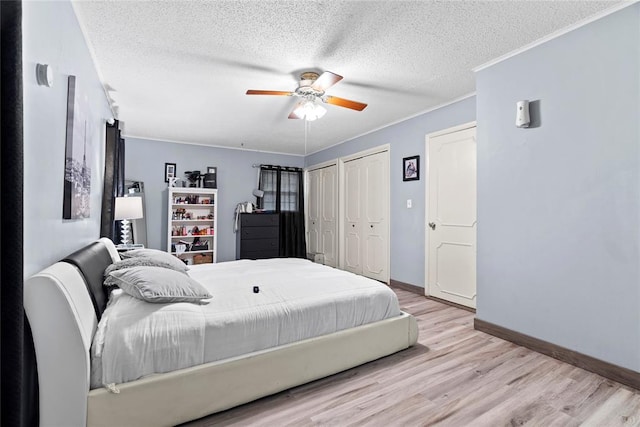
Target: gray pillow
(157, 255)
(140, 261)
(158, 285)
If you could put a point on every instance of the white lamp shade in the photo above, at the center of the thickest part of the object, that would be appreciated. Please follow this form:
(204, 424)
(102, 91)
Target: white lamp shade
(128, 208)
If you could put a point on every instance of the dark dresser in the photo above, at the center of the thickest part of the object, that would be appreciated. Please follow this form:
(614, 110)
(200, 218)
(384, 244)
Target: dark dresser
(258, 236)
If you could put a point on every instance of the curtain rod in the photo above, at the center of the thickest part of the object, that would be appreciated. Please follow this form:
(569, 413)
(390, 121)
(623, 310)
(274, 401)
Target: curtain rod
(287, 168)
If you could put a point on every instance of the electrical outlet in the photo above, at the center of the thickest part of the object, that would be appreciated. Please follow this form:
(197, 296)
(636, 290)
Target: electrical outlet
(409, 203)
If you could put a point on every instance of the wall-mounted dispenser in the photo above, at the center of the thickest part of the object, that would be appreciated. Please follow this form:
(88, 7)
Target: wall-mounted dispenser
(522, 114)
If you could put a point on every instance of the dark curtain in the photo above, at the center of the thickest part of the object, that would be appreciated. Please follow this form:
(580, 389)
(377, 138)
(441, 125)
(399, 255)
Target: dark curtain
(113, 181)
(17, 366)
(284, 193)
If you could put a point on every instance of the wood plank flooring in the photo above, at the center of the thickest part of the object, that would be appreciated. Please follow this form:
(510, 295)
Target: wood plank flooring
(454, 376)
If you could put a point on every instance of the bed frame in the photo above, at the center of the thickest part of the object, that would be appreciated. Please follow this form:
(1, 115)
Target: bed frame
(63, 310)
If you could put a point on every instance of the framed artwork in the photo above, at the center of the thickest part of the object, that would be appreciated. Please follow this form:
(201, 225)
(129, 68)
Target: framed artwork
(169, 171)
(411, 168)
(78, 148)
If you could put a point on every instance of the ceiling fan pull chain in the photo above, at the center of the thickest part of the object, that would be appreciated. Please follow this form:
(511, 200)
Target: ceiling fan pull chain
(306, 130)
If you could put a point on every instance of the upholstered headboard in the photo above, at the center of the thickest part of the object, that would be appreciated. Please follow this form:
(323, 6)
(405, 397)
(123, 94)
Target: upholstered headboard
(92, 260)
(63, 319)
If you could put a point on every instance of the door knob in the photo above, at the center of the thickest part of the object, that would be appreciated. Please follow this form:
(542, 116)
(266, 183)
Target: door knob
(432, 225)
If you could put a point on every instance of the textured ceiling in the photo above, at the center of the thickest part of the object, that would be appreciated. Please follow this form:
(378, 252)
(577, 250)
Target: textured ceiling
(179, 70)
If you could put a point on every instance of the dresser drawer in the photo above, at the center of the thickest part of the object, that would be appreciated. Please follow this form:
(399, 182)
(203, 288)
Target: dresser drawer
(259, 220)
(259, 244)
(259, 233)
(271, 253)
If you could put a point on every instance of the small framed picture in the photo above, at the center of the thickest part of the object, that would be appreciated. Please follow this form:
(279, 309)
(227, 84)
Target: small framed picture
(211, 169)
(411, 168)
(169, 171)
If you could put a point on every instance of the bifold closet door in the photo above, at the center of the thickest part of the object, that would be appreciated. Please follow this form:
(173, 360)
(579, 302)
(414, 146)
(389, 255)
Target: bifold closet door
(366, 221)
(322, 213)
(313, 211)
(329, 214)
(353, 217)
(376, 222)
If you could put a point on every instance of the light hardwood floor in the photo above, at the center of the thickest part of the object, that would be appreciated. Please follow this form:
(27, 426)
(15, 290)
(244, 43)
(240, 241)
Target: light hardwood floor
(454, 376)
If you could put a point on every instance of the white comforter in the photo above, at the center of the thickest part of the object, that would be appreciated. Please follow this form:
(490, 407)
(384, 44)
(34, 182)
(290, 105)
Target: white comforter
(298, 299)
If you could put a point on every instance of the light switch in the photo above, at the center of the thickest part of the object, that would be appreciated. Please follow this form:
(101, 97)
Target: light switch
(409, 203)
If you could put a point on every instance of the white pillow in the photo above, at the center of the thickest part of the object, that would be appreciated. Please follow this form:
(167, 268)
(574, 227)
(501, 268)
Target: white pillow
(140, 261)
(157, 255)
(158, 285)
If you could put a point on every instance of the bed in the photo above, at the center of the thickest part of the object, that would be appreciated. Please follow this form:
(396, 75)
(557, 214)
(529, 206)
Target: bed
(65, 301)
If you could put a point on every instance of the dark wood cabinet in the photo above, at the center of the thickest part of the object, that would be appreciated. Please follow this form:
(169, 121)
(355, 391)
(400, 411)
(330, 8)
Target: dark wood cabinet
(258, 236)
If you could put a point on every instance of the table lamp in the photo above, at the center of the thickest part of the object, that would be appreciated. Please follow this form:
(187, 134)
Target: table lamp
(127, 208)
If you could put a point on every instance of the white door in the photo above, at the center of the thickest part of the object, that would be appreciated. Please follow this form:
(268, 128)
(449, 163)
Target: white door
(353, 217)
(451, 224)
(328, 214)
(313, 214)
(375, 225)
(366, 216)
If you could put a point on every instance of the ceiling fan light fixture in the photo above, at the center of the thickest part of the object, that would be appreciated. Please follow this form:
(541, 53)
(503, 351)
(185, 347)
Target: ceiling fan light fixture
(311, 92)
(310, 111)
(316, 112)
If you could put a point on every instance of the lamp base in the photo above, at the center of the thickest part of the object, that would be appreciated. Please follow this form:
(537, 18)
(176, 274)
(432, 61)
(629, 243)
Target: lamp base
(125, 232)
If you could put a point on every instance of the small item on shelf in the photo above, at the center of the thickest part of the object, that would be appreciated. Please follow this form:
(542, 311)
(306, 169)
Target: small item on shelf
(189, 200)
(179, 213)
(194, 178)
(202, 258)
(187, 245)
(199, 245)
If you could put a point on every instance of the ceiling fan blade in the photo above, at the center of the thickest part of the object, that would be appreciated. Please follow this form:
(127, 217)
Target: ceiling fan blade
(325, 81)
(341, 102)
(269, 92)
(293, 114)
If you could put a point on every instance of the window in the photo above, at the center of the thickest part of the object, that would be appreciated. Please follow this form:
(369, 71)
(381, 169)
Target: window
(289, 185)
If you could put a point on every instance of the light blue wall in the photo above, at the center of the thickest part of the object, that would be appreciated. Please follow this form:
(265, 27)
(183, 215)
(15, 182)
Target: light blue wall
(51, 35)
(145, 159)
(406, 139)
(558, 205)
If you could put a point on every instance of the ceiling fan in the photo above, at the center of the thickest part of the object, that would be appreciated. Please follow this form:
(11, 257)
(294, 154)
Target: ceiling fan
(311, 90)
